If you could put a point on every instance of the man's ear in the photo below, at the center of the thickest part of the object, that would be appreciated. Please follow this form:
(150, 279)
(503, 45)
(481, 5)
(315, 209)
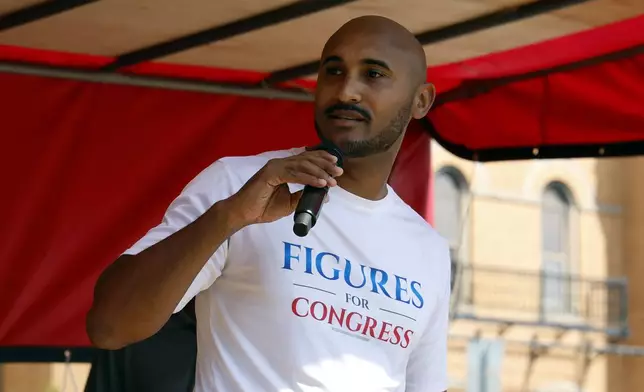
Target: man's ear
(424, 100)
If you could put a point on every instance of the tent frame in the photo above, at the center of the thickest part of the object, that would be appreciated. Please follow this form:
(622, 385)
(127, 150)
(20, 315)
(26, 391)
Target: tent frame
(276, 16)
(157, 82)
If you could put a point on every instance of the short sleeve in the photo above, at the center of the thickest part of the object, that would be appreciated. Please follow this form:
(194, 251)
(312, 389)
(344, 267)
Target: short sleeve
(427, 366)
(211, 185)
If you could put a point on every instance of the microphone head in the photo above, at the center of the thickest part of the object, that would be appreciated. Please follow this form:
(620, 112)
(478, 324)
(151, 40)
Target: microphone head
(333, 150)
(303, 224)
(308, 208)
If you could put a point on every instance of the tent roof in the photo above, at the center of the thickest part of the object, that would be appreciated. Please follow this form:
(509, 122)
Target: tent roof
(265, 47)
(295, 32)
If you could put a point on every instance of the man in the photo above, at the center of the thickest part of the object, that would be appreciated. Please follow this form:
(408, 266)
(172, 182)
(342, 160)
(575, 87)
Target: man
(360, 304)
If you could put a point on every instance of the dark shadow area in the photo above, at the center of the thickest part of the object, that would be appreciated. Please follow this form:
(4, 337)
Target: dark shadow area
(164, 362)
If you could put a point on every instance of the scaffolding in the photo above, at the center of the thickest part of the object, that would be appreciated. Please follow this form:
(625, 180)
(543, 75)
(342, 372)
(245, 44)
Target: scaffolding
(514, 297)
(587, 347)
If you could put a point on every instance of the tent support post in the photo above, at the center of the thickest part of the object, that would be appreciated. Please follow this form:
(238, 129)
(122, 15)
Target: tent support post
(155, 82)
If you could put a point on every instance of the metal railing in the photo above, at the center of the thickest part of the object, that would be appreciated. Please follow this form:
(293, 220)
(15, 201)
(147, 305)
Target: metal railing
(510, 296)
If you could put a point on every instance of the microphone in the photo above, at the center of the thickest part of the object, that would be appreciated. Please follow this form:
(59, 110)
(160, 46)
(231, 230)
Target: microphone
(310, 204)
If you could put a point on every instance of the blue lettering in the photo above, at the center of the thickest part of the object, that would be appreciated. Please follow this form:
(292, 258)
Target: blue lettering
(318, 264)
(328, 266)
(288, 256)
(309, 260)
(347, 275)
(419, 297)
(381, 283)
(400, 289)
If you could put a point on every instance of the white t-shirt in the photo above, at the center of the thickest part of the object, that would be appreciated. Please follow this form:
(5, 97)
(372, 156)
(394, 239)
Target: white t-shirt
(360, 304)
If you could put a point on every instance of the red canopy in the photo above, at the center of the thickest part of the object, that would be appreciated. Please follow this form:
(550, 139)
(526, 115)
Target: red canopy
(92, 158)
(573, 96)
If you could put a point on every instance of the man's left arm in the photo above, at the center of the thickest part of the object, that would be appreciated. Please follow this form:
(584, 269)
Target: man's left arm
(427, 366)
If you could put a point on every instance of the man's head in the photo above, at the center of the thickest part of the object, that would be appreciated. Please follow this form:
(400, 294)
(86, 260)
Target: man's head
(371, 82)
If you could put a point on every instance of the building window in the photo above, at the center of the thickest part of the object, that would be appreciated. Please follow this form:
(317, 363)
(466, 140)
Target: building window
(555, 246)
(449, 191)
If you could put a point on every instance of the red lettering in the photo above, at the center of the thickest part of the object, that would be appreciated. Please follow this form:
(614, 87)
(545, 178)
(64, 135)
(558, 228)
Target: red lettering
(370, 325)
(294, 306)
(406, 339)
(397, 335)
(384, 331)
(358, 325)
(381, 330)
(339, 318)
(324, 310)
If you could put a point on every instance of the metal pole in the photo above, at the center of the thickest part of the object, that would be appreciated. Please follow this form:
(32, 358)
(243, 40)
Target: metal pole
(155, 82)
(609, 349)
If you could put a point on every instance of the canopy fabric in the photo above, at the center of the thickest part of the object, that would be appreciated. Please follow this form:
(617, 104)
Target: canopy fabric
(516, 79)
(576, 96)
(272, 35)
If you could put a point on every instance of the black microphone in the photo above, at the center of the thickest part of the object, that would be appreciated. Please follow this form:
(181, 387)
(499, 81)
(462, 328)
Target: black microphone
(310, 204)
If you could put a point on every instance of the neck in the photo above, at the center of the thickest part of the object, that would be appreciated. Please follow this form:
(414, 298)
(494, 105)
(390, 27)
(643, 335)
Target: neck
(367, 177)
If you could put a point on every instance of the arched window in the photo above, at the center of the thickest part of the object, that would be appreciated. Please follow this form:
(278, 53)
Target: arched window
(449, 191)
(555, 249)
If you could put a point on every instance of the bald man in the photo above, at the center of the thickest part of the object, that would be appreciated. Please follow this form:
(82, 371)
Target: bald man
(359, 304)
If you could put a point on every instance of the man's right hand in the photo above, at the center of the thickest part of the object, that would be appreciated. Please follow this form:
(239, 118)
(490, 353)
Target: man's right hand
(123, 311)
(266, 196)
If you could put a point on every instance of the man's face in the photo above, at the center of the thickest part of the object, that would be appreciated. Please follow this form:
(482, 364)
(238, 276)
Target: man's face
(364, 95)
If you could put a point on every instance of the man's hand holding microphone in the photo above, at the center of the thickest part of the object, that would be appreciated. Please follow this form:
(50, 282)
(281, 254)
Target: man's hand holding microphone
(137, 294)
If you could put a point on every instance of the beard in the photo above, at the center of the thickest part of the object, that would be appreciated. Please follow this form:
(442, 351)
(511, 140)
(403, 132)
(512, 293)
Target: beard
(379, 143)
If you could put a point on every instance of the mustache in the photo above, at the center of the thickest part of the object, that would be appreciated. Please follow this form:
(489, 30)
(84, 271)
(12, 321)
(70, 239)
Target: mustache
(346, 106)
